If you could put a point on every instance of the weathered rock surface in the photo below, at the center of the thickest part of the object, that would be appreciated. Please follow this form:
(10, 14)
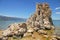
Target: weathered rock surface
(39, 26)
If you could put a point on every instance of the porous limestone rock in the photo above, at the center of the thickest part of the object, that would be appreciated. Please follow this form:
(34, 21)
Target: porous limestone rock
(15, 30)
(41, 17)
(7, 32)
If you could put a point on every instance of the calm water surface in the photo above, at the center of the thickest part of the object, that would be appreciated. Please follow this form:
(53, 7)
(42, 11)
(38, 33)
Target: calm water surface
(4, 24)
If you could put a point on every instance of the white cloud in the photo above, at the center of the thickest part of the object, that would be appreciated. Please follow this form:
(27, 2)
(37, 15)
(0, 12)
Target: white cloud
(57, 8)
(57, 12)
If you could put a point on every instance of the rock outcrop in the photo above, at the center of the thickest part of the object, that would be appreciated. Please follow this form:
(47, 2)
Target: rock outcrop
(41, 18)
(40, 23)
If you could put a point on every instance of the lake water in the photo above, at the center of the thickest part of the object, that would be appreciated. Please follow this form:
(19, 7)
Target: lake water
(4, 24)
(56, 23)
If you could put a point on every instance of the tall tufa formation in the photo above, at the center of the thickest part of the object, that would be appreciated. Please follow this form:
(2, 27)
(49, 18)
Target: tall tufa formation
(41, 18)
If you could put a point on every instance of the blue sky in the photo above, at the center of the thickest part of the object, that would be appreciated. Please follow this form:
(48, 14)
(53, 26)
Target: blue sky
(24, 8)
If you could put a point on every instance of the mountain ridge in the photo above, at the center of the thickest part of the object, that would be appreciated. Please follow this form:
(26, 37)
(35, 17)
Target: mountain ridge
(6, 18)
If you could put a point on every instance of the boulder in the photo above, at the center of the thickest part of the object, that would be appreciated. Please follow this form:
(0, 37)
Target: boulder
(5, 38)
(46, 36)
(52, 27)
(47, 27)
(21, 30)
(53, 39)
(27, 34)
(58, 37)
(30, 30)
(42, 32)
(7, 33)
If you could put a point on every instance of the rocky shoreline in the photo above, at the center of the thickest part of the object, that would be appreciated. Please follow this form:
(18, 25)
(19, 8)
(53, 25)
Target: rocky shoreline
(38, 27)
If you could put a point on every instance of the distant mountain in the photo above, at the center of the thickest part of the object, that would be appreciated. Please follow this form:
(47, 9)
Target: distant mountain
(5, 18)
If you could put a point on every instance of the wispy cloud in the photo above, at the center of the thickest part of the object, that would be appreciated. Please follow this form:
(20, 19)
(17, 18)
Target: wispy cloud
(57, 12)
(57, 8)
